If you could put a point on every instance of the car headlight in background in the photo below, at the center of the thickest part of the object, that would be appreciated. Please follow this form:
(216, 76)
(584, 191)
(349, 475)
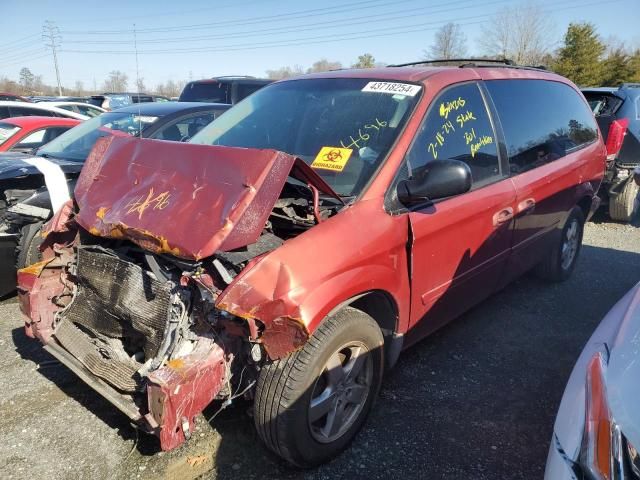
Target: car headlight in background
(606, 454)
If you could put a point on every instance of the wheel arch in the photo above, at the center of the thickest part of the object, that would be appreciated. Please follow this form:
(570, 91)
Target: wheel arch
(382, 307)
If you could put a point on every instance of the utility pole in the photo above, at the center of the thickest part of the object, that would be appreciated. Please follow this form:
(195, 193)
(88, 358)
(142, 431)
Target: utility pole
(51, 33)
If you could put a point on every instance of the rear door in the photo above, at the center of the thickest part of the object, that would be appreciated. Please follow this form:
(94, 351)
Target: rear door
(459, 245)
(546, 125)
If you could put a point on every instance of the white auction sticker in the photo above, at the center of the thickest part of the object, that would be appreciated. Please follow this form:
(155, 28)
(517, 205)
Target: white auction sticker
(393, 88)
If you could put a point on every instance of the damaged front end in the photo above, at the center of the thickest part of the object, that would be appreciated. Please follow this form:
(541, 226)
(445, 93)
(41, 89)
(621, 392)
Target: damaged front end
(128, 294)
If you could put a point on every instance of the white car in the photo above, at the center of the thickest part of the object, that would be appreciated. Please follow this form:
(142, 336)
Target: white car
(77, 107)
(24, 109)
(597, 431)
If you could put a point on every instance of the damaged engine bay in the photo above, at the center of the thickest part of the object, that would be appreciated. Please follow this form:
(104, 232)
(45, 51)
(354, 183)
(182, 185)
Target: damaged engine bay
(145, 329)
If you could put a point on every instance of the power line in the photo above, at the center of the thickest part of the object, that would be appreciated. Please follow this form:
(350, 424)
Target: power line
(361, 19)
(51, 33)
(24, 60)
(20, 40)
(15, 56)
(178, 12)
(314, 40)
(347, 7)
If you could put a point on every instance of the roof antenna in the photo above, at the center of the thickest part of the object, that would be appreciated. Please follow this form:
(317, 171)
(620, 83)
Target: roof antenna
(135, 46)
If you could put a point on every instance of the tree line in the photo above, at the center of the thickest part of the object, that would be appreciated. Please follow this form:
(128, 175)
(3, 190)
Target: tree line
(522, 34)
(29, 83)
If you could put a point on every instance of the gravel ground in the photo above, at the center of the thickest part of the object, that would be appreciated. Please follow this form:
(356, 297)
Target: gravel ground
(475, 400)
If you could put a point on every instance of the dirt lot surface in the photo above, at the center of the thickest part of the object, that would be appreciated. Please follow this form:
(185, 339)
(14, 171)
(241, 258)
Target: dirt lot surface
(475, 400)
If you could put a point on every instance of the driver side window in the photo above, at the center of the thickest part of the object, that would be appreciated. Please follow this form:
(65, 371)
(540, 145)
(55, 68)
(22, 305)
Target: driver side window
(457, 127)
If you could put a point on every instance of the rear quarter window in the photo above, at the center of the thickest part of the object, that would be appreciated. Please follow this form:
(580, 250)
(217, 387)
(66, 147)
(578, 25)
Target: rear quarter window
(542, 121)
(213, 92)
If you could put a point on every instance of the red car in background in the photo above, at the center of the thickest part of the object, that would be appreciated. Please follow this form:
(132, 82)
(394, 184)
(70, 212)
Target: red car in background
(23, 134)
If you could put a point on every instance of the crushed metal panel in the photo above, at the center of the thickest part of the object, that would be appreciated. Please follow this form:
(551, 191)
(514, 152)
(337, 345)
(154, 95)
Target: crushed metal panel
(184, 199)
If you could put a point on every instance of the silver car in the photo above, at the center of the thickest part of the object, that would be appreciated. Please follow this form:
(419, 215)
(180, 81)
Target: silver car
(597, 430)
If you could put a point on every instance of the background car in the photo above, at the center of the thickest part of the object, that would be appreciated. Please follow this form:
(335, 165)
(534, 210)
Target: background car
(113, 101)
(10, 97)
(597, 429)
(23, 134)
(229, 89)
(25, 203)
(79, 107)
(617, 111)
(23, 109)
(64, 98)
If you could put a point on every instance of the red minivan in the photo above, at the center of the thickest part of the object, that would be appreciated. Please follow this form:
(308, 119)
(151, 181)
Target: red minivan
(298, 243)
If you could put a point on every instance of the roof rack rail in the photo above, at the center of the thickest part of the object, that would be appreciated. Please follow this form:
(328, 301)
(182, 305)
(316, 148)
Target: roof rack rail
(472, 61)
(234, 76)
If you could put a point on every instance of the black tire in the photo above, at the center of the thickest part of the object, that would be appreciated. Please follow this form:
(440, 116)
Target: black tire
(27, 251)
(555, 267)
(286, 387)
(621, 205)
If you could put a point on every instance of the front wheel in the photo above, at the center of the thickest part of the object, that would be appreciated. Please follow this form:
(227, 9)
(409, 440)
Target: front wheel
(559, 263)
(311, 404)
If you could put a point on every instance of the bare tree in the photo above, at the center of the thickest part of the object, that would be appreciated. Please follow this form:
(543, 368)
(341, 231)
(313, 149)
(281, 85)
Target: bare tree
(116, 82)
(450, 42)
(140, 84)
(285, 72)
(524, 34)
(26, 80)
(78, 88)
(324, 65)
(170, 88)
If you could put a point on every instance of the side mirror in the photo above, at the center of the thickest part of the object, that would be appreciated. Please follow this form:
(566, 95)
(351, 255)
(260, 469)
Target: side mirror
(439, 179)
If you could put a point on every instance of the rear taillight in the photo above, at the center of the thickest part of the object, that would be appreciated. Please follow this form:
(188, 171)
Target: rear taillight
(617, 131)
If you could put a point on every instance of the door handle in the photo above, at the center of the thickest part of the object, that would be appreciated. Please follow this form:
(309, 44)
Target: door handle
(502, 217)
(527, 206)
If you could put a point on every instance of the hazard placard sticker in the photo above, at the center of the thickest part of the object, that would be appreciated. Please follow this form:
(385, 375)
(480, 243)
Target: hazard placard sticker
(393, 88)
(332, 158)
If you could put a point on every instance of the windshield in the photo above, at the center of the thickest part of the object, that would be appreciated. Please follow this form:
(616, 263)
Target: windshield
(7, 131)
(343, 128)
(78, 142)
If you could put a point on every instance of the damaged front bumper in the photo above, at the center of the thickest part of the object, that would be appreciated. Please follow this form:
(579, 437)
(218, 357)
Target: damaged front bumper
(116, 309)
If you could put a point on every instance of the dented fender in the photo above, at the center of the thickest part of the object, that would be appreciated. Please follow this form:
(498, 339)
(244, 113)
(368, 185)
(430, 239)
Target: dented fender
(290, 292)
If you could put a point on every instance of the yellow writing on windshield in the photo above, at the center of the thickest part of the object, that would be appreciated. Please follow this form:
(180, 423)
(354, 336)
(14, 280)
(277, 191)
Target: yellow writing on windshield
(363, 137)
(332, 158)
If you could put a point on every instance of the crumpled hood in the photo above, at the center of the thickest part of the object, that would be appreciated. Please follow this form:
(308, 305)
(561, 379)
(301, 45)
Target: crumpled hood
(623, 371)
(185, 199)
(15, 164)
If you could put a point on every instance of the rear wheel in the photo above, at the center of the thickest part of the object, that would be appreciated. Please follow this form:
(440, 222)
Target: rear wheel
(311, 404)
(621, 205)
(561, 260)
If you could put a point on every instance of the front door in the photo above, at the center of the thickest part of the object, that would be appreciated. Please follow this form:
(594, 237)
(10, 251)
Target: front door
(459, 245)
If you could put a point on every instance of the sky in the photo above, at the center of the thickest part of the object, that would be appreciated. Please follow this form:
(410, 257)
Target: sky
(191, 39)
